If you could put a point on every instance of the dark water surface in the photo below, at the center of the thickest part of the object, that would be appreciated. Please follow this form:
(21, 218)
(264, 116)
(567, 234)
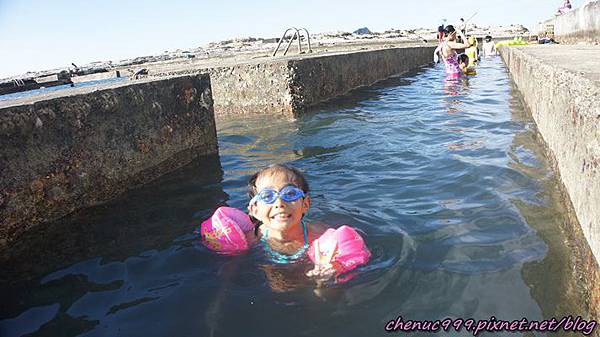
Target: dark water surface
(446, 180)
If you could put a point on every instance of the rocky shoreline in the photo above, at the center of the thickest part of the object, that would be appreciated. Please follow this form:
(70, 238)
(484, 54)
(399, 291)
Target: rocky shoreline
(251, 46)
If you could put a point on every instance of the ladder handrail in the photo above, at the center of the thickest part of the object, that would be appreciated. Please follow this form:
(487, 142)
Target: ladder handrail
(295, 35)
(307, 39)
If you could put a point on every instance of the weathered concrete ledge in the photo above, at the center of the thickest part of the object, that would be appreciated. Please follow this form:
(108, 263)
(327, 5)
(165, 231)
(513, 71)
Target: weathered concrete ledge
(564, 99)
(251, 88)
(317, 79)
(294, 84)
(68, 152)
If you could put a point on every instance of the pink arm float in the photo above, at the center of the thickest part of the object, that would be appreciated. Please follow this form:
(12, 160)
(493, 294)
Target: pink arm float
(224, 230)
(343, 248)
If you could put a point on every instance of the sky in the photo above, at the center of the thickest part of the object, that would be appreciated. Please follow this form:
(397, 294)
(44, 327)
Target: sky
(45, 34)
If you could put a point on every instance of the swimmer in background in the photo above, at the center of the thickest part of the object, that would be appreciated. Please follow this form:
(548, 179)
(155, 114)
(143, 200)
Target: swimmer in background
(472, 52)
(489, 47)
(440, 34)
(566, 6)
(463, 63)
(448, 51)
(440, 37)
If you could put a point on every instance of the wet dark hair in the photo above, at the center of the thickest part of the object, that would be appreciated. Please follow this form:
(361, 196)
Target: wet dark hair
(488, 38)
(463, 58)
(294, 175)
(449, 29)
(441, 29)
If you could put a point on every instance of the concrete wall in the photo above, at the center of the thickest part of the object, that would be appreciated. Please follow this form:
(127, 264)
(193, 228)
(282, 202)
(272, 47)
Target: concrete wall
(580, 25)
(65, 153)
(566, 109)
(293, 84)
(252, 88)
(317, 79)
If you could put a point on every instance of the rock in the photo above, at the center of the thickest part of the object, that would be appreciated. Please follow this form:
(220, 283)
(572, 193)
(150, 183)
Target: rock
(362, 31)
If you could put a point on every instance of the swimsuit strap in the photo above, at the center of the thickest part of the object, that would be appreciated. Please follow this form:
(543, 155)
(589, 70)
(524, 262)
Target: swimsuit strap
(282, 258)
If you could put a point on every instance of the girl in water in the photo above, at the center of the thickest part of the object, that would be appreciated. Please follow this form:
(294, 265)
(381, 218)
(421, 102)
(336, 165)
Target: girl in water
(279, 201)
(448, 51)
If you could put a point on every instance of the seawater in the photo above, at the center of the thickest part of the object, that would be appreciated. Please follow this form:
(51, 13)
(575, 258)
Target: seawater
(445, 179)
(63, 87)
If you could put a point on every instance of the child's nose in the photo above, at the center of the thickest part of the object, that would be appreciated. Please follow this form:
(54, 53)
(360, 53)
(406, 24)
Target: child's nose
(278, 202)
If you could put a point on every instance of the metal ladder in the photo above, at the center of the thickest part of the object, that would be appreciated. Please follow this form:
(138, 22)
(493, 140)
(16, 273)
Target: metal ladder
(295, 35)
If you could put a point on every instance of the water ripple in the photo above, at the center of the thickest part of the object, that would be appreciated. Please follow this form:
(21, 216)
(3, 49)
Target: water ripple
(436, 174)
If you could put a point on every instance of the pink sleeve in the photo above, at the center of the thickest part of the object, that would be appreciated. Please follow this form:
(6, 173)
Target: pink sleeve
(343, 247)
(224, 230)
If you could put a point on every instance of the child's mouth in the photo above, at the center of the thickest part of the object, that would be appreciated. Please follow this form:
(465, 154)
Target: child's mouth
(281, 217)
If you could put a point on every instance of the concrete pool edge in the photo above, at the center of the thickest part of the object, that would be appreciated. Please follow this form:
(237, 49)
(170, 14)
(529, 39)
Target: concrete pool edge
(318, 79)
(292, 85)
(563, 107)
(70, 152)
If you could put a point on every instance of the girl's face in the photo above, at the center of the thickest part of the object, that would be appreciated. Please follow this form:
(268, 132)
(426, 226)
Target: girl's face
(280, 215)
(452, 36)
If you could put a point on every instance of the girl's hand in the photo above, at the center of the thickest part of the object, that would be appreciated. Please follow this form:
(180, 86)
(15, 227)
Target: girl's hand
(324, 269)
(321, 274)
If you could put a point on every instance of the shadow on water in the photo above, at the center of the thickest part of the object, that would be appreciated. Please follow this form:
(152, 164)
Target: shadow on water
(551, 219)
(154, 215)
(151, 217)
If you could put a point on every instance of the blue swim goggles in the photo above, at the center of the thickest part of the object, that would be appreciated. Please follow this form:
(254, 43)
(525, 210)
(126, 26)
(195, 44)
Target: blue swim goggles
(288, 194)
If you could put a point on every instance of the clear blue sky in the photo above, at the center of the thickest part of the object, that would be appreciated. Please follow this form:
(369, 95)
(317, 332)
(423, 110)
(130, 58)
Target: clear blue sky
(44, 34)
